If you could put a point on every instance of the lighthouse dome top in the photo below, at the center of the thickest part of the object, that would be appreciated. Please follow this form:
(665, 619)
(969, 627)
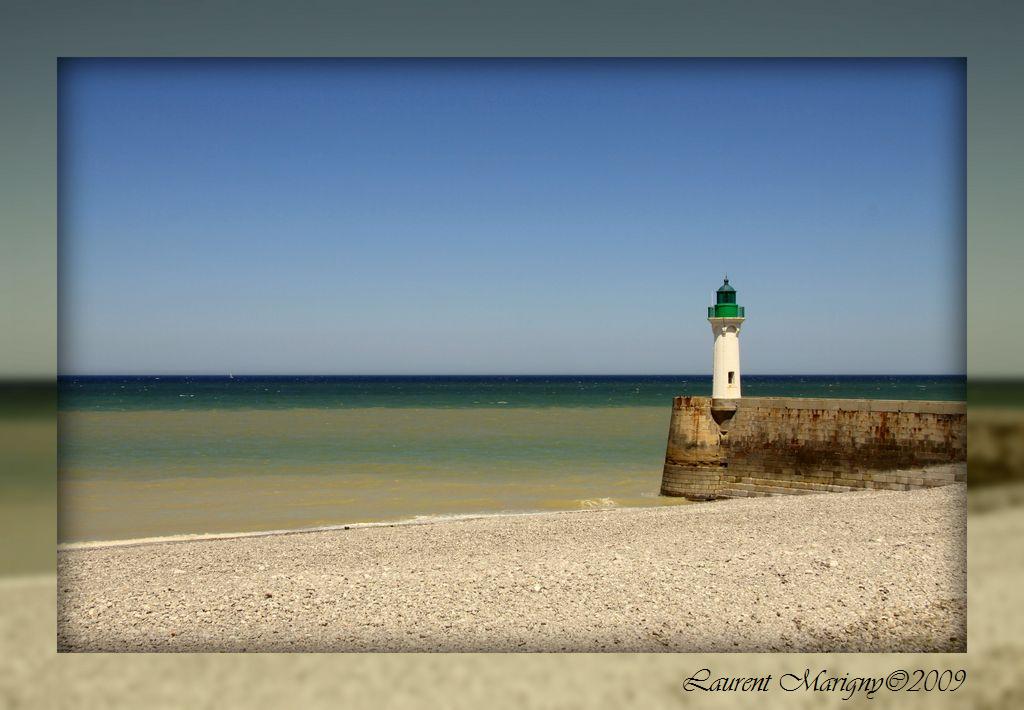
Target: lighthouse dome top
(725, 303)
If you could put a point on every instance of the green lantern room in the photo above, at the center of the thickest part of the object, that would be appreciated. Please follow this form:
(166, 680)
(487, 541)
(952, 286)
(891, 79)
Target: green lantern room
(725, 303)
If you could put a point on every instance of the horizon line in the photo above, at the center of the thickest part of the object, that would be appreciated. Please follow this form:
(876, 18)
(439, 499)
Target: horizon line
(504, 374)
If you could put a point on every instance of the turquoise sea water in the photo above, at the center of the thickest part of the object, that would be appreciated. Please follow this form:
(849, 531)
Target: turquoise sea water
(143, 457)
(260, 392)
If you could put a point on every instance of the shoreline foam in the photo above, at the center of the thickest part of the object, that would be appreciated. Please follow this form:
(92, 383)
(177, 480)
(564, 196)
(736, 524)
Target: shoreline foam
(586, 506)
(404, 522)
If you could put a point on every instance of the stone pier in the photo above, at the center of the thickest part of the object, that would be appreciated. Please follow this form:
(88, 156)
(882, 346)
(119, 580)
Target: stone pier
(779, 445)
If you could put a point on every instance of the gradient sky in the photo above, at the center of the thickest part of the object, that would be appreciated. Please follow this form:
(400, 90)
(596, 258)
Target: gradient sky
(509, 216)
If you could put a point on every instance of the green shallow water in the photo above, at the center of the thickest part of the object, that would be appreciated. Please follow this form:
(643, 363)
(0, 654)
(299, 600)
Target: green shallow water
(153, 473)
(155, 456)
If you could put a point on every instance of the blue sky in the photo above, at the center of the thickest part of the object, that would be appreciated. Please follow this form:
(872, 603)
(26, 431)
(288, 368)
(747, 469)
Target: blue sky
(509, 216)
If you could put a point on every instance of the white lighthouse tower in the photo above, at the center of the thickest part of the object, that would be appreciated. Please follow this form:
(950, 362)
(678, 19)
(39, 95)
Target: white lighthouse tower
(726, 317)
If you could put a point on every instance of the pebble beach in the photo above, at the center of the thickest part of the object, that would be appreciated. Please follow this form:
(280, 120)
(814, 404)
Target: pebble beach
(862, 571)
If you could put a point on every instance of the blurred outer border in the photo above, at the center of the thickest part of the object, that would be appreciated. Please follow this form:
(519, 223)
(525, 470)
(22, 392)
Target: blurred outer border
(34, 34)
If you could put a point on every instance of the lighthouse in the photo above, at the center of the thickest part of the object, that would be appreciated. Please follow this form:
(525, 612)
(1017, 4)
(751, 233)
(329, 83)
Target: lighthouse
(726, 317)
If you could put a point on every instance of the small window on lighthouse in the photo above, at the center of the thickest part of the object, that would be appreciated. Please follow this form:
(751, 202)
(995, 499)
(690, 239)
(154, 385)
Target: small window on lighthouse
(732, 377)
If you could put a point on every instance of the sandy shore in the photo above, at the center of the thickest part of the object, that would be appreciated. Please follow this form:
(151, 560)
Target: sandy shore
(864, 571)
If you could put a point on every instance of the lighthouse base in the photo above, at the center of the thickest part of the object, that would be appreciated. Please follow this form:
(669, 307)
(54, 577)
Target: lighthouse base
(722, 410)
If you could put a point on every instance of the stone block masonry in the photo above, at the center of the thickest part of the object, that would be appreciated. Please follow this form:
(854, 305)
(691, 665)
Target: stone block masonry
(783, 445)
(694, 460)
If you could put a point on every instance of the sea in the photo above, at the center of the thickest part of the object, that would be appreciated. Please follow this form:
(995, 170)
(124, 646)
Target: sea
(148, 456)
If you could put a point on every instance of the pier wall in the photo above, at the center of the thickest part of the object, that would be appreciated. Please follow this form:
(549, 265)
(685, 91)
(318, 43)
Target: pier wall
(776, 445)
